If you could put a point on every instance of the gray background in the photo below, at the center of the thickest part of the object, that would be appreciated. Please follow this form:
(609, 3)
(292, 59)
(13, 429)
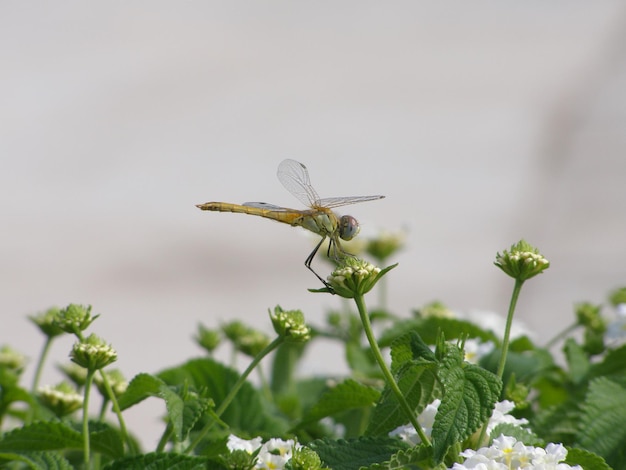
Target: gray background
(482, 123)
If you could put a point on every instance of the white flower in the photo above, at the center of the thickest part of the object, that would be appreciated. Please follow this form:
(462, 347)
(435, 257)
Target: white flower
(275, 453)
(236, 443)
(475, 350)
(506, 453)
(501, 415)
(408, 434)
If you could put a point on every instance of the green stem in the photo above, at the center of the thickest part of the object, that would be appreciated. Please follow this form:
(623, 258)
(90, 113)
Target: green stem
(561, 335)
(169, 430)
(116, 409)
(507, 330)
(233, 391)
(40, 363)
(505, 343)
(88, 384)
(367, 326)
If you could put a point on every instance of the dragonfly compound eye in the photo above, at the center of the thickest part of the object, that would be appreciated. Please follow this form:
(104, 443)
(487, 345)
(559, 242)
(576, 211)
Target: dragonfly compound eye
(348, 227)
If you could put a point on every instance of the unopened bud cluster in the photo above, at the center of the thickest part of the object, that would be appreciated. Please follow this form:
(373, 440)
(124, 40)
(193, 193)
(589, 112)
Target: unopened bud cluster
(62, 399)
(290, 325)
(93, 353)
(354, 277)
(522, 261)
(75, 318)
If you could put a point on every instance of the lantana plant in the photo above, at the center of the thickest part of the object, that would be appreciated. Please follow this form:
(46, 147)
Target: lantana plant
(431, 390)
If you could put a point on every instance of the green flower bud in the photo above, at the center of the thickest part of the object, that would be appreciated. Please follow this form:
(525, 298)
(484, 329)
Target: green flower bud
(246, 340)
(207, 338)
(385, 245)
(522, 262)
(62, 399)
(589, 316)
(75, 318)
(305, 459)
(290, 325)
(47, 322)
(93, 353)
(116, 379)
(11, 360)
(354, 277)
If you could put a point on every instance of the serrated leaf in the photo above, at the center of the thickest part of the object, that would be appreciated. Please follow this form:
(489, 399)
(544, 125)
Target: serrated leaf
(586, 460)
(417, 457)
(247, 412)
(43, 436)
(613, 366)
(602, 429)
(159, 461)
(142, 386)
(470, 394)
(356, 453)
(419, 385)
(431, 327)
(346, 395)
(39, 460)
(409, 348)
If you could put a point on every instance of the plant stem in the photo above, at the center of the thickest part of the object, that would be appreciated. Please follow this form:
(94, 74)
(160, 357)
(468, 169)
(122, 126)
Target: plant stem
(507, 330)
(233, 391)
(88, 383)
(560, 335)
(391, 382)
(116, 409)
(40, 362)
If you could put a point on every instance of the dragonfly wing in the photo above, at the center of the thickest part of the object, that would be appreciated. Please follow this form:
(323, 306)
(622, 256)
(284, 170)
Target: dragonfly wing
(331, 202)
(295, 178)
(265, 205)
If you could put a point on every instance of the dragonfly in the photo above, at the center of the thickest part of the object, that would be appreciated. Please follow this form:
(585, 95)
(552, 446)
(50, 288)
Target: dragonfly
(319, 218)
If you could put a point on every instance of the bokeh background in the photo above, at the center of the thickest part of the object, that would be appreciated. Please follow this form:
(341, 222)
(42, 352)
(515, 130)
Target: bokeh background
(482, 123)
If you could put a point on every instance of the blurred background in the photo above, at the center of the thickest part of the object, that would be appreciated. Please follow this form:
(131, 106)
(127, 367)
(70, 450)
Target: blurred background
(481, 122)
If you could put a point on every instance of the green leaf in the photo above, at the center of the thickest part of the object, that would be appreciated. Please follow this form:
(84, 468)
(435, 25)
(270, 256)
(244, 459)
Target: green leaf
(184, 410)
(39, 460)
(160, 461)
(142, 386)
(431, 327)
(42, 436)
(602, 429)
(470, 394)
(286, 359)
(577, 360)
(417, 457)
(409, 348)
(418, 383)
(613, 366)
(586, 460)
(247, 412)
(346, 395)
(356, 453)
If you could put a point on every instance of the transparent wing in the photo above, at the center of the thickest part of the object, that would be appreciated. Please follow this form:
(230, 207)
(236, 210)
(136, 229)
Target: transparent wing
(265, 205)
(295, 178)
(331, 202)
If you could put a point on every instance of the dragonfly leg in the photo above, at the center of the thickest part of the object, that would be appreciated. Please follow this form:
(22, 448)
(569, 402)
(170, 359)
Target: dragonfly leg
(309, 260)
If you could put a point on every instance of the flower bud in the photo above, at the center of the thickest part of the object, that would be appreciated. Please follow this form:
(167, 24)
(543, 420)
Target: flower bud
(207, 338)
(93, 353)
(47, 322)
(62, 399)
(117, 382)
(385, 245)
(75, 318)
(354, 277)
(290, 325)
(522, 262)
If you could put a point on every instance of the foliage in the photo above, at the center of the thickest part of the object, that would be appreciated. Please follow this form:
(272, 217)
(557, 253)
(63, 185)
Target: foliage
(361, 421)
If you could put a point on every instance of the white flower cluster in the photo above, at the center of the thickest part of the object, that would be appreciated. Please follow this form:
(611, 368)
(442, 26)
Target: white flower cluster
(426, 419)
(506, 453)
(616, 331)
(274, 454)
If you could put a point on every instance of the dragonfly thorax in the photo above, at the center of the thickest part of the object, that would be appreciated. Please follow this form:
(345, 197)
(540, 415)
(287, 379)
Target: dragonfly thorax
(348, 227)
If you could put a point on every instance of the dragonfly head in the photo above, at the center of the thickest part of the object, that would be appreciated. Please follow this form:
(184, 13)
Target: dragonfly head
(348, 227)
